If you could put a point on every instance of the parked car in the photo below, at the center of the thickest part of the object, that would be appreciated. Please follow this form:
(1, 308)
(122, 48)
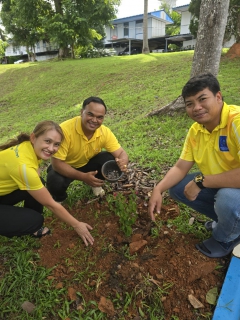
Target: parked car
(134, 50)
(20, 61)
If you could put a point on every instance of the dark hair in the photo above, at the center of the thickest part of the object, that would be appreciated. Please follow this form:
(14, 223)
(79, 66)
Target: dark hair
(199, 83)
(93, 99)
(39, 130)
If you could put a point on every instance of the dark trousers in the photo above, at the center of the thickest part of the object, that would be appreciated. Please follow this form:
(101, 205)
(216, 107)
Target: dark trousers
(57, 184)
(19, 221)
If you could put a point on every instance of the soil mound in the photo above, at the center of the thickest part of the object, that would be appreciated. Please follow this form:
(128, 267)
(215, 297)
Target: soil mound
(234, 51)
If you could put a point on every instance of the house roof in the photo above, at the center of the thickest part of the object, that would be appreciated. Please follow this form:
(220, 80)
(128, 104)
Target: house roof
(181, 8)
(156, 14)
(180, 37)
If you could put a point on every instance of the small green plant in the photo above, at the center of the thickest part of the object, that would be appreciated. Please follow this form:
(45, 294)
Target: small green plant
(126, 253)
(125, 209)
(77, 191)
(57, 244)
(155, 230)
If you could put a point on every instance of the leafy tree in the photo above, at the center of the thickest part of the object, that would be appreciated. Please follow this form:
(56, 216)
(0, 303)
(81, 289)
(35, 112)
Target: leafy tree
(68, 23)
(3, 46)
(23, 20)
(233, 23)
(194, 8)
(174, 28)
(77, 22)
(2, 35)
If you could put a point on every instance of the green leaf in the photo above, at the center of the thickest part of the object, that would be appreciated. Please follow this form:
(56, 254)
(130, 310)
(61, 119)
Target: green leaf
(211, 296)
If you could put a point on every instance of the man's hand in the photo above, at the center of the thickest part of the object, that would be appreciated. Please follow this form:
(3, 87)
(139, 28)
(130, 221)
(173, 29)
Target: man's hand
(82, 229)
(191, 191)
(122, 164)
(91, 180)
(155, 203)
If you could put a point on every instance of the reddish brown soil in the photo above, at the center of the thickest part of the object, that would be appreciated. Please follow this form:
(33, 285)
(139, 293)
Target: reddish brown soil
(170, 261)
(234, 51)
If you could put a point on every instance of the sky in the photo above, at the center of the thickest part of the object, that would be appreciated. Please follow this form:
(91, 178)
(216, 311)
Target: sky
(129, 8)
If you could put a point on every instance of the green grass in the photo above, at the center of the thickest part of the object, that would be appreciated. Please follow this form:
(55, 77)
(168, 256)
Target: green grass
(131, 87)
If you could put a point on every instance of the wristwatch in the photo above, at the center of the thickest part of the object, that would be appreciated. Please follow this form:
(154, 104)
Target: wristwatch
(198, 179)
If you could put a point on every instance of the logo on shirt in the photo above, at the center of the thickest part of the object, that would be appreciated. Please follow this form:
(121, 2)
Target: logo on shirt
(15, 149)
(223, 143)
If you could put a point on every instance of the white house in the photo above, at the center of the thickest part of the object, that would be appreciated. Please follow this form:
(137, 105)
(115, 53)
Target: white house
(128, 32)
(43, 51)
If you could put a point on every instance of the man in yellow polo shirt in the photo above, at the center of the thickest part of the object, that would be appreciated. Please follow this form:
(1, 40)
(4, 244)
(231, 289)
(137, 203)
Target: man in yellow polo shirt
(213, 144)
(81, 155)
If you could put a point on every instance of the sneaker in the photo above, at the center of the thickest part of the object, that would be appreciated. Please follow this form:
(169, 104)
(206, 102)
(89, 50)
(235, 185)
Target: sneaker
(210, 225)
(215, 249)
(98, 191)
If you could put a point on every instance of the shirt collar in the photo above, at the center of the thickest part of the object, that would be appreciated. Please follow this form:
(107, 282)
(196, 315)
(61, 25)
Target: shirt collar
(224, 116)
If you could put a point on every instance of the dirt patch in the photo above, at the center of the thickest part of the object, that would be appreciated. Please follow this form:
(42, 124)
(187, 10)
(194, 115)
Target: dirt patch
(234, 51)
(117, 264)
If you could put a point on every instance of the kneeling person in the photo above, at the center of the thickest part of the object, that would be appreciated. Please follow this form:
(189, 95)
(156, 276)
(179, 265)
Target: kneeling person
(80, 156)
(213, 144)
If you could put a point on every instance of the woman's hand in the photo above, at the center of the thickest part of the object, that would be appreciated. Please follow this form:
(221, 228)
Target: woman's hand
(82, 230)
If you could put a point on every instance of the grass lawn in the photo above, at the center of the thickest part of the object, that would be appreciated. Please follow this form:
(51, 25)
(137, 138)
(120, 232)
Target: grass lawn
(131, 86)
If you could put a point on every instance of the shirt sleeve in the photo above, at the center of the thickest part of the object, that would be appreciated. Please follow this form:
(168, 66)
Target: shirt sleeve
(187, 153)
(236, 134)
(26, 178)
(111, 143)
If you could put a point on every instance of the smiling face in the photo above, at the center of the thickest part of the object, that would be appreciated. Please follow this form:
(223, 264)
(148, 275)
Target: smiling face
(205, 108)
(92, 118)
(46, 144)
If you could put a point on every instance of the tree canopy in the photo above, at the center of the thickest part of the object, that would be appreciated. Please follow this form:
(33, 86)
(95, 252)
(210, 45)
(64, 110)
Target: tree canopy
(67, 23)
(174, 28)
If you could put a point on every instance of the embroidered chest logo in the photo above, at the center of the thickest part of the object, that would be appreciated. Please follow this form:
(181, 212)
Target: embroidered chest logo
(223, 143)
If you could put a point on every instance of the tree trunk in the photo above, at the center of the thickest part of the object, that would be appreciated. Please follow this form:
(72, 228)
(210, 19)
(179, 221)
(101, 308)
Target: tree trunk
(237, 33)
(72, 51)
(63, 53)
(170, 109)
(58, 6)
(207, 54)
(145, 48)
(211, 28)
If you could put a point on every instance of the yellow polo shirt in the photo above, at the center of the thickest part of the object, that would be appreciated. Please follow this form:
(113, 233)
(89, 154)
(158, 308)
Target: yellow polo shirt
(218, 151)
(76, 150)
(18, 169)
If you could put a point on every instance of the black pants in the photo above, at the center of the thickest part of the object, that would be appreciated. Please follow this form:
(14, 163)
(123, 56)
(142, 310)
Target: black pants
(19, 221)
(57, 184)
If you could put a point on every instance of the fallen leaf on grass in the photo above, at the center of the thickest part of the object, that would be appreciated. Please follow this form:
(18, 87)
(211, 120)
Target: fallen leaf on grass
(28, 306)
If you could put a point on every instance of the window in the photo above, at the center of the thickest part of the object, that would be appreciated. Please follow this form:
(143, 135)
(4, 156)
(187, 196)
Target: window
(139, 26)
(126, 29)
(139, 22)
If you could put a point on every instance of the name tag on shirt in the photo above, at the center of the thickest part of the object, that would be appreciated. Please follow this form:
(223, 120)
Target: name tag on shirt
(223, 143)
